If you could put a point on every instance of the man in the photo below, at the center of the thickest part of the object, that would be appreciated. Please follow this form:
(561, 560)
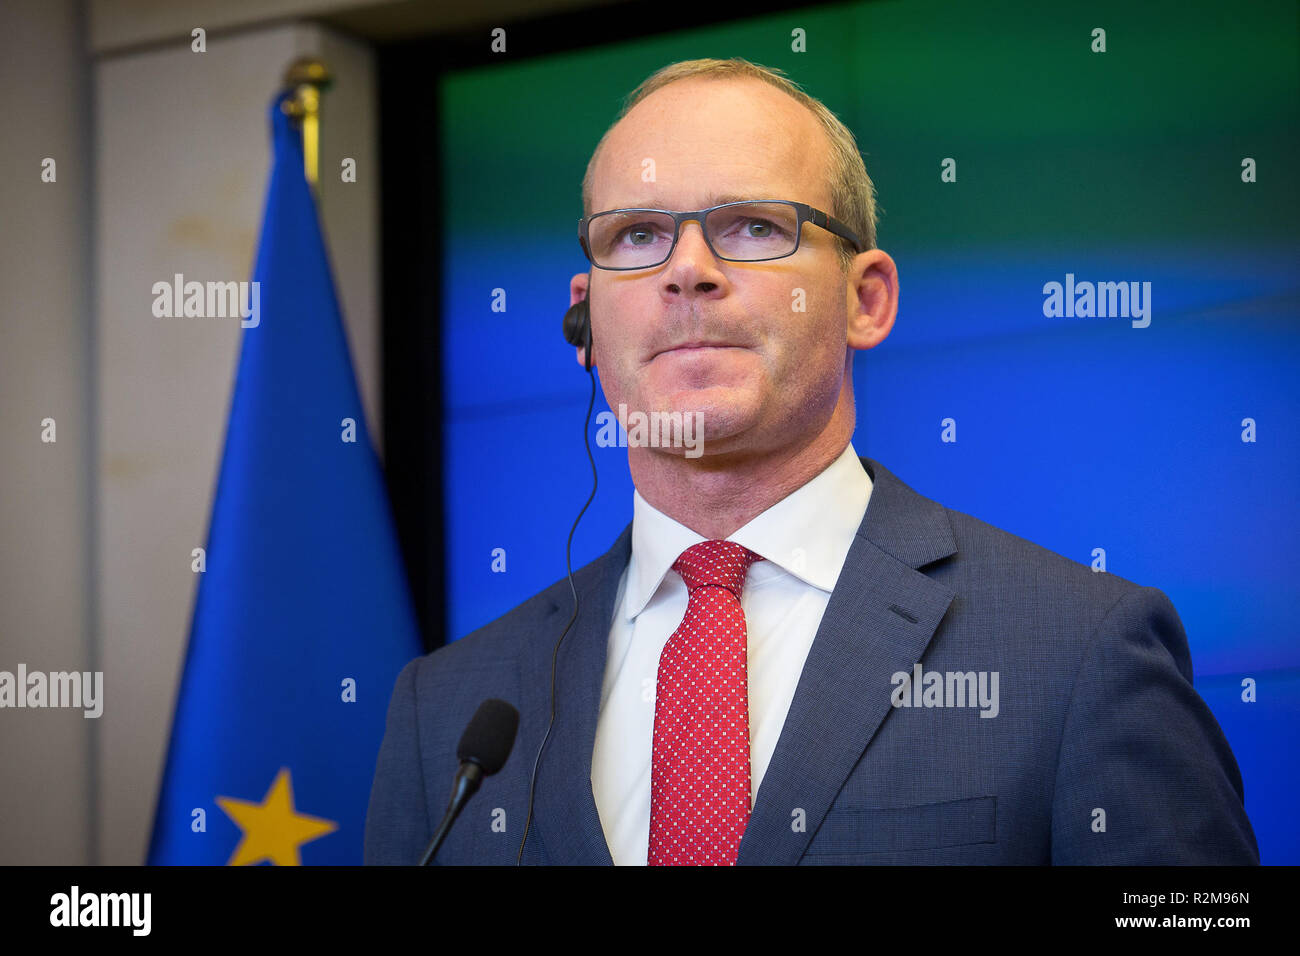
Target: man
(789, 656)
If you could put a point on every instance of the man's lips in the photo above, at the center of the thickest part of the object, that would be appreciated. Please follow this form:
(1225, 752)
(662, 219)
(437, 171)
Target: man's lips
(684, 346)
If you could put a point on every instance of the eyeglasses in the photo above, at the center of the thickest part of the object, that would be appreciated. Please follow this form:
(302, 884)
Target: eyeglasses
(747, 231)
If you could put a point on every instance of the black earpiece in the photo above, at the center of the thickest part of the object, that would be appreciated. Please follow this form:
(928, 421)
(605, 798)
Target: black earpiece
(577, 328)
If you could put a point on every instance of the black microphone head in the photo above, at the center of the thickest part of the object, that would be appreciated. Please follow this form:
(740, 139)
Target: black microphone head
(488, 739)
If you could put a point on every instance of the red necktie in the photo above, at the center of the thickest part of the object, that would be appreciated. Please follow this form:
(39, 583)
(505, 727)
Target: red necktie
(699, 771)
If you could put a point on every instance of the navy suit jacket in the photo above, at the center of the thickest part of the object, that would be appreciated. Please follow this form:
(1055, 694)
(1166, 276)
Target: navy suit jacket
(1100, 752)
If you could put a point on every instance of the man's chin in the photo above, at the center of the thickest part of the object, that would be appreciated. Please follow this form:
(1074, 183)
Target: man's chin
(720, 412)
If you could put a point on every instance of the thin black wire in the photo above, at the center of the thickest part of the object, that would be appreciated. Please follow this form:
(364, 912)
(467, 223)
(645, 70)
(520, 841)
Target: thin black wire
(555, 655)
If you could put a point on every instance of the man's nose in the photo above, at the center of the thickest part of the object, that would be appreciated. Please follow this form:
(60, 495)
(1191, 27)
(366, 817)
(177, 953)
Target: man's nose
(690, 239)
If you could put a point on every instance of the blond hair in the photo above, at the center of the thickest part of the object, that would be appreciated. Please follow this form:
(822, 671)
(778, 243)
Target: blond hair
(853, 197)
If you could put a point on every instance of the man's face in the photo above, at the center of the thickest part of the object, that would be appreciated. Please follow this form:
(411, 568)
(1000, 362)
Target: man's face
(758, 348)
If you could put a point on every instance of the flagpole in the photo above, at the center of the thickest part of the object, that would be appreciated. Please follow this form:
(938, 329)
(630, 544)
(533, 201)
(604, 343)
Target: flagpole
(307, 77)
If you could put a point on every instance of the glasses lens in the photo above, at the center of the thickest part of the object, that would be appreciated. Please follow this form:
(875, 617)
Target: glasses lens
(630, 238)
(755, 230)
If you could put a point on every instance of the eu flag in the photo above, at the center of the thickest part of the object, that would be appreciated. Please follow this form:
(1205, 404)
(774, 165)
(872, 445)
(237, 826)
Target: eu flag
(303, 619)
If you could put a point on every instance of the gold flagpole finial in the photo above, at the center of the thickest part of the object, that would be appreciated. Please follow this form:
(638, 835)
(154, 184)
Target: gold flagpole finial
(307, 77)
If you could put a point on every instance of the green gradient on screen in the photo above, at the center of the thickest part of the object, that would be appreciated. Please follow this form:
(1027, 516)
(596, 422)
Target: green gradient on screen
(1054, 143)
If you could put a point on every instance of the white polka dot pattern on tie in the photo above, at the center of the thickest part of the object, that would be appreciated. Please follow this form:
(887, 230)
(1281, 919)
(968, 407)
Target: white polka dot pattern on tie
(699, 770)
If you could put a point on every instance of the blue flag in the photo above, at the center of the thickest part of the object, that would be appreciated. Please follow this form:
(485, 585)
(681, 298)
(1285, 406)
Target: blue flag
(303, 618)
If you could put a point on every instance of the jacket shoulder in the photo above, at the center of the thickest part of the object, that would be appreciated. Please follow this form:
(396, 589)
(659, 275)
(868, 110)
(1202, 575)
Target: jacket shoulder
(1035, 594)
(1005, 554)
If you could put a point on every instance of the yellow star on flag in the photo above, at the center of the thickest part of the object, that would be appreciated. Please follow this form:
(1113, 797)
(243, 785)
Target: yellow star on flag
(273, 830)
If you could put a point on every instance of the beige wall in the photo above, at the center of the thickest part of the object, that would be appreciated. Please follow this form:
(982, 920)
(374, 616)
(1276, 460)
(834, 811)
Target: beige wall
(46, 756)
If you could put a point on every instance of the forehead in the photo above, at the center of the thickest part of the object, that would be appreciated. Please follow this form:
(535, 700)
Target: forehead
(701, 141)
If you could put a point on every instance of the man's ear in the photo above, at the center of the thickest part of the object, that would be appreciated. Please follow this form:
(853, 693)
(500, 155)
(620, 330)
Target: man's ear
(872, 292)
(578, 288)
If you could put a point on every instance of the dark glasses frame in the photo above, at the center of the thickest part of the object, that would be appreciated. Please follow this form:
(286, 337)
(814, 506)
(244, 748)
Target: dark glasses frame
(805, 213)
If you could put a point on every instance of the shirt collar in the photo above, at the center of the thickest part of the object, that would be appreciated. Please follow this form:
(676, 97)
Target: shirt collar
(807, 533)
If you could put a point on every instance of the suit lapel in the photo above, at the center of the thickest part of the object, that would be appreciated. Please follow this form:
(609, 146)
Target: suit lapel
(565, 818)
(880, 619)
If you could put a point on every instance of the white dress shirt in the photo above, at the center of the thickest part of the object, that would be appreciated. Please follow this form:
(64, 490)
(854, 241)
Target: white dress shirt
(804, 539)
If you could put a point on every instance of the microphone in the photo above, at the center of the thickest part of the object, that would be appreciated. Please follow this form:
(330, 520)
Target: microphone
(482, 751)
